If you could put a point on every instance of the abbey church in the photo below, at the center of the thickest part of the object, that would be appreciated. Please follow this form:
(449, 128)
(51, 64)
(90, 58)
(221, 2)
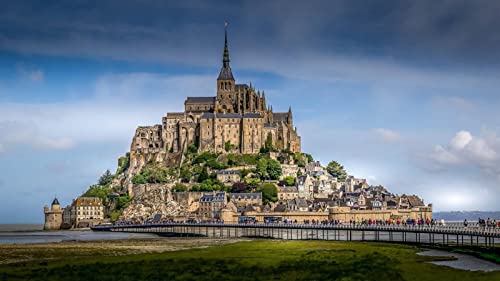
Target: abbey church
(237, 120)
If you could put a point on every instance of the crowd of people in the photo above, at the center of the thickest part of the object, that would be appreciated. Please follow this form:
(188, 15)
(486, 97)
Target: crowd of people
(489, 223)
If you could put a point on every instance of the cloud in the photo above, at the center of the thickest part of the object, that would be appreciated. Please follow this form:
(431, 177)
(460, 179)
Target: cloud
(118, 104)
(386, 135)
(442, 156)
(460, 140)
(14, 133)
(465, 149)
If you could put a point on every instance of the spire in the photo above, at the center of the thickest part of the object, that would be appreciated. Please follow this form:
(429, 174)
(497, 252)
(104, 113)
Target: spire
(225, 58)
(289, 109)
(225, 72)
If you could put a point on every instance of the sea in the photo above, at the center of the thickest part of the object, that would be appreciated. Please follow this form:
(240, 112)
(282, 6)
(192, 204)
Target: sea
(33, 233)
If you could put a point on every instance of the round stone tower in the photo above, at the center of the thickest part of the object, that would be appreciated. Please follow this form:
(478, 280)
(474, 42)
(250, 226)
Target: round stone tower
(54, 216)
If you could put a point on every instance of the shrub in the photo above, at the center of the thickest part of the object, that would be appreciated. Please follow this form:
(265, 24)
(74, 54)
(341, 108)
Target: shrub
(179, 187)
(269, 192)
(289, 181)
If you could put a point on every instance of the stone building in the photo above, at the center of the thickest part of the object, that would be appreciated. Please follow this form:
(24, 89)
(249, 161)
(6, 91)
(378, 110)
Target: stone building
(287, 192)
(246, 199)
(69, 216)
(305, 186)
(236, 120)
(211, 204)
(228, 177)
(89, 211)
(54, 216)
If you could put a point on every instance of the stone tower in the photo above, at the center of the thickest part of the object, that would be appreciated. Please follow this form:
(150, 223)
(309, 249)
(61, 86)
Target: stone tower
(226, 90)
(54, 216)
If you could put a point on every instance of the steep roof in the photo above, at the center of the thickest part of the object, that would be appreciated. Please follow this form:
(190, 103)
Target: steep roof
(280, 116)
(55, 202)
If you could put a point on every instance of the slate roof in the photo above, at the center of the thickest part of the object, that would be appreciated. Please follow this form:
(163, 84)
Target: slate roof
(226, 73)
(241, 86)
(209, 197)
(228, 172)
(292, 189)
(200, 100)
(55, 202)
(247, 195)
(280, 116)
(251, 115)
(208, 115)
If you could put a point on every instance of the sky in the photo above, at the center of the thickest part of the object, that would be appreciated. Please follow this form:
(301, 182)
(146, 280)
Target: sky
(402, 93)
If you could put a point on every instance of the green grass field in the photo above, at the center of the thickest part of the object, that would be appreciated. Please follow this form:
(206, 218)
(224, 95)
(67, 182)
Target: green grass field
(248, 260)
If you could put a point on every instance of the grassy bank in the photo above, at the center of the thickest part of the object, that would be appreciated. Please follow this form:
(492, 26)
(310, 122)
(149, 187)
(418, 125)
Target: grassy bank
(247, 260)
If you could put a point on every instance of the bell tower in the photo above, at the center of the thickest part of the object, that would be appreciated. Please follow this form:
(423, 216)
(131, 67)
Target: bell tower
(226, 91)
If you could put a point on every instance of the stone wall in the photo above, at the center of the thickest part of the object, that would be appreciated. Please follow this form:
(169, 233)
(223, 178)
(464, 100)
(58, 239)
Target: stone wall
(346, 214)
(139, 189)
(300, 217)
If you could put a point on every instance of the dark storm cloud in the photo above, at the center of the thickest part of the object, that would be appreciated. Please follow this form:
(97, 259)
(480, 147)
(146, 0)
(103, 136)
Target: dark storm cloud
(175, 31)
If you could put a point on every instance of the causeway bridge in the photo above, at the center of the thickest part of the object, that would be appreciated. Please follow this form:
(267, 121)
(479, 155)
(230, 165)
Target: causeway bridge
(453, 235)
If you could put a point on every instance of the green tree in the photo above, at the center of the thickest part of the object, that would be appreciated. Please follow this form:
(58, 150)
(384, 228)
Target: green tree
(192, 149)
(261, 168)
(106, 178)
(268, 169)
(336, 170)
(252, 183)
(179, 187)
(102, 192)
(122, 202)
(228, 146)
(269, 192)
(123, 163)
(139, 179)
(203, 175)
(290, 181)
(274, 169)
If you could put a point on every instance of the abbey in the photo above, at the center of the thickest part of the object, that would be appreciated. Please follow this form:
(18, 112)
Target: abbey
(236, 120)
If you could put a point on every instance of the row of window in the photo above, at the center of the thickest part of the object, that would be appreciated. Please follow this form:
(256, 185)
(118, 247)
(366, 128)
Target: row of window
(89, 213)
(89, 207)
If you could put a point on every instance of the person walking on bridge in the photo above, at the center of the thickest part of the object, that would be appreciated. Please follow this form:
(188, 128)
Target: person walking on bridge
(465, 223)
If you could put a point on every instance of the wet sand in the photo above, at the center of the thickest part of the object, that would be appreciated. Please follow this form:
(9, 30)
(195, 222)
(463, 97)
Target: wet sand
(13, 253)
(461, 261)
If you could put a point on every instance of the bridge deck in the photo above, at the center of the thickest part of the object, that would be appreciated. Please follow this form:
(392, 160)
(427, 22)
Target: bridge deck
(442, 235)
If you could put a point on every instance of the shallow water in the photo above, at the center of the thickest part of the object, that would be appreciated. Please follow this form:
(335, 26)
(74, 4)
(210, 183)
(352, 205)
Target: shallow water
(464, 262)
(12, 234)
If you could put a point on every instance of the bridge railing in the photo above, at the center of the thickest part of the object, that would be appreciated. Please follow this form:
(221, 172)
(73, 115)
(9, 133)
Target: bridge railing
(445, 229)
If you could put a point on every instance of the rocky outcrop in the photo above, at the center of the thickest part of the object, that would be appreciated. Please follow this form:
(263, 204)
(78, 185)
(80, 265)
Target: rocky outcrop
(157, 200)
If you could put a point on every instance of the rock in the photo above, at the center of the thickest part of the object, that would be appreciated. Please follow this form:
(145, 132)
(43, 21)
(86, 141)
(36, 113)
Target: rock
(156, 200)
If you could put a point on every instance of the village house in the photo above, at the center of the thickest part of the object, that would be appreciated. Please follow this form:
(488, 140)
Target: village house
(287, 193)
(89, 211)
(211, 204)
(246, 199)
(288, 171)
(228, 177)
(305, 186)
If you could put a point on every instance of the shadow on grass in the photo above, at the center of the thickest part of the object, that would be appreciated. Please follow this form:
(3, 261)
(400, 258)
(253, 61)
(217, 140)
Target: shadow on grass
(316, 265)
